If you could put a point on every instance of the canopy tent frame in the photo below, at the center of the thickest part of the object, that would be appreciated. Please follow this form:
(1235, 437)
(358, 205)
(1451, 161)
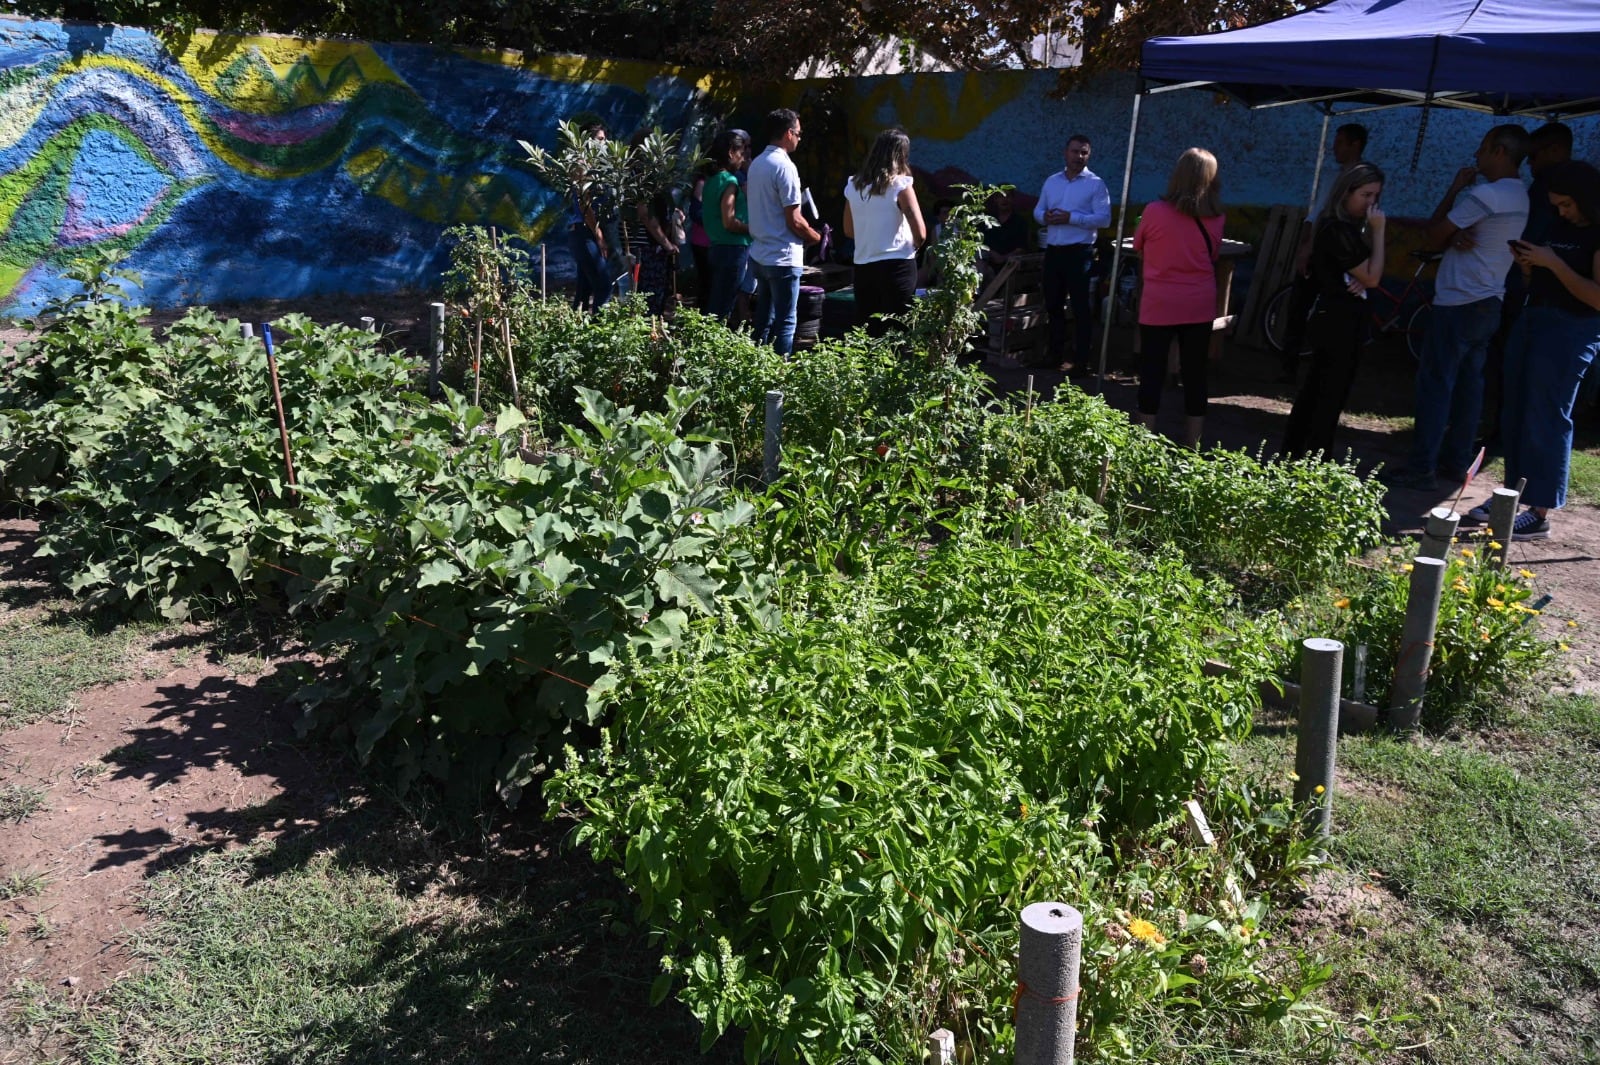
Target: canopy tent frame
(1454, 35)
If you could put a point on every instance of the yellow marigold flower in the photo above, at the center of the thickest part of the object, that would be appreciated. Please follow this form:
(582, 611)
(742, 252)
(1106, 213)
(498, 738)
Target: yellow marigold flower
(1023, 812)
(1494, 545)
(1146, 932)
(1342, 603)
(1572, 623)
(1467, 552)
(1526, 574)
(1564, 646)
(1496, 603)
(1243, 933)
(1318, 790)
(1460, 586)
(1407, 568)
(1294, 776)
(1500, 589)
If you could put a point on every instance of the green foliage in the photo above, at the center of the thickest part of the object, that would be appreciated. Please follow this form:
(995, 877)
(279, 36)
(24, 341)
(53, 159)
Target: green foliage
(941, 324)
(172, 506)
(1488, 646)
(1280, 526)
(809, 812)
(486, 595)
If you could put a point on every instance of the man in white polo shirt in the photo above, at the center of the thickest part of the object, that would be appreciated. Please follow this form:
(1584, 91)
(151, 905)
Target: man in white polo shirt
(778, 232)
(1074, 206)
(1474, 223)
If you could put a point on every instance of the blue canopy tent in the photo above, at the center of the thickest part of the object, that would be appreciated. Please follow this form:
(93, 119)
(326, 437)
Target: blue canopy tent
(1528, 58)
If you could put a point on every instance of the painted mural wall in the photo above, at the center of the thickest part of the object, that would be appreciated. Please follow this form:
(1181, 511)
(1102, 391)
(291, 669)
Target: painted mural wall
(233, 169)
(267, 167)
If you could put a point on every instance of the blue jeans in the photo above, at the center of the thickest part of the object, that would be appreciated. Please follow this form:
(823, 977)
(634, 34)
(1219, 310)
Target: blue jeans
(594, 276)
(1450, 385)
(728, 263)
(777, 297)
(1546, 356)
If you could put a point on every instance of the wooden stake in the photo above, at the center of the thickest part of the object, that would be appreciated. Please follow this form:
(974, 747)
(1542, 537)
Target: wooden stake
(277, 400)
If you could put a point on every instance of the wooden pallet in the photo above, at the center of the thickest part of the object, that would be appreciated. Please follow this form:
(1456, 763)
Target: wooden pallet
(1280, 239)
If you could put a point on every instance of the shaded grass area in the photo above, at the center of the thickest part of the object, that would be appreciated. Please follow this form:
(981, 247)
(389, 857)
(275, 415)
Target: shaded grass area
(1477, 858)
(366, 941)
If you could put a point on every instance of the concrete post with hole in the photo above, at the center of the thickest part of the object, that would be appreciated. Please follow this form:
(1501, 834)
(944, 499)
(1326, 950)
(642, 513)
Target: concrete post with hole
(1416, 643)
(1047, 984)
(1439, 532)
(435, 347)
(1321, 674)
(771, 451)
(1502, 515)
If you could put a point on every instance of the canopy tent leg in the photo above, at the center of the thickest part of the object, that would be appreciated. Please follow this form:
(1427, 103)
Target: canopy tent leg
(1116, 247)
(1316, 174)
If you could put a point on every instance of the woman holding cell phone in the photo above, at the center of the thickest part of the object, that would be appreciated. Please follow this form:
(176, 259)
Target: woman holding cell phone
(1551, 346)
(1343, 266)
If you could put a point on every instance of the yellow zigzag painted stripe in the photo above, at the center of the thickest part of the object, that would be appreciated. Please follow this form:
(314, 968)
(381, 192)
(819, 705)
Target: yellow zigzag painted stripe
(437, 197)
(274, 63)
(192, 111)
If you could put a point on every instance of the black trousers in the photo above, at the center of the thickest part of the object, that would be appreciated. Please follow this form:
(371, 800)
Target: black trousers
(1066, 277)
(884, 287)
(1314, 419)
(1194, 358)
(1301, 297)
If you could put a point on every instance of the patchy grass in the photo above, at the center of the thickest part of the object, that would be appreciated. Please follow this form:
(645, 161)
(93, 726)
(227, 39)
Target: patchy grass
(18, 802)
(1478, 860)
(48, 654)
(23, 884)
(366, 942)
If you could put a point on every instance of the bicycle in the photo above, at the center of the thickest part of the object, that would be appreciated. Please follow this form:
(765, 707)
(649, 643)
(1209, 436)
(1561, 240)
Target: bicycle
(1413, 306)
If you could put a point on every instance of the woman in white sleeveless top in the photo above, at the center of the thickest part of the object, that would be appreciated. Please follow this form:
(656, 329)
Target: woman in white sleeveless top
(881, 213)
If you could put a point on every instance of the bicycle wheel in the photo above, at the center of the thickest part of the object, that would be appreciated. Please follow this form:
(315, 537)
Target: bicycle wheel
(1275, 318)
(1417, 328)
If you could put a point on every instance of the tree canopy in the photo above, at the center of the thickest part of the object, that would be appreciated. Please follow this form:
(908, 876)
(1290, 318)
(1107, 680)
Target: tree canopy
(762, 38)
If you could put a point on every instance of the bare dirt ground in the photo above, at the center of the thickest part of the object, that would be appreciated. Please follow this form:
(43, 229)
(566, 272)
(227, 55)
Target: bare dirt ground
(200, 755)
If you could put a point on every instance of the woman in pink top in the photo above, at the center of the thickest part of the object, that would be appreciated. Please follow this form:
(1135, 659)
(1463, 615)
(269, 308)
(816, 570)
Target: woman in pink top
(1177, 240)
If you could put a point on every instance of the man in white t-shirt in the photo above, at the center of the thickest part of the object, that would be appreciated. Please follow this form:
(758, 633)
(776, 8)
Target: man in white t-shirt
(1474, 223)
(778, 232)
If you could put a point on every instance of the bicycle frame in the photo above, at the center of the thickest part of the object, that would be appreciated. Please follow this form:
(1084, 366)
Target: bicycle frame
(1415, 292)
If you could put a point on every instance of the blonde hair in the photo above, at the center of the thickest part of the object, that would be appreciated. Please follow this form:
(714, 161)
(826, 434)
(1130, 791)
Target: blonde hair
(1346, 183)
(1194, 188)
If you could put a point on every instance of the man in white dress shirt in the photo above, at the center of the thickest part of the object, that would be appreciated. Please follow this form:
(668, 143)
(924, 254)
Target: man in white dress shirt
(1074, 206)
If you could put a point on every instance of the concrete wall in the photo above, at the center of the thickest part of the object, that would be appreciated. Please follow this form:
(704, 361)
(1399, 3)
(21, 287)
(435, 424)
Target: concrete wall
(267, 167)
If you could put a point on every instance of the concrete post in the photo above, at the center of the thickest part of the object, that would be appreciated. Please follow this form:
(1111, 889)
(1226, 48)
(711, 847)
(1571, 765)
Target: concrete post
(1416, 643)
(369, 324)
(942, 1047)
(1047, 984)
(247, 330)
(771, 454)
(1502, 513)
(1440, 530)
(1321, 670)
(1358, 675)
(435, 347)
